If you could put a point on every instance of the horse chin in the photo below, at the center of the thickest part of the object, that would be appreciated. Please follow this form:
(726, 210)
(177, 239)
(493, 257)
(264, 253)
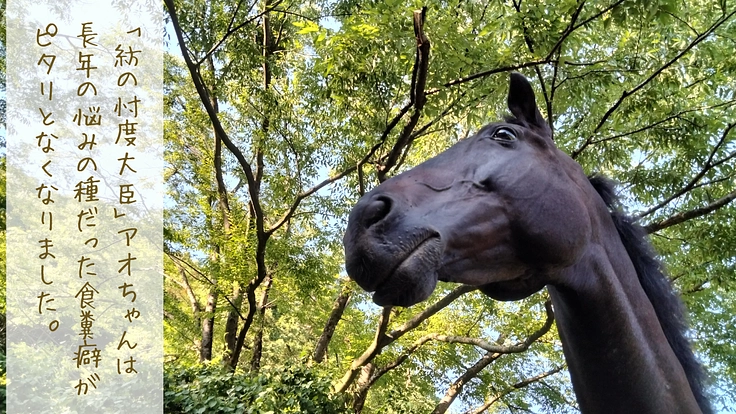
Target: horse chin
(512, 290)
(414, 279)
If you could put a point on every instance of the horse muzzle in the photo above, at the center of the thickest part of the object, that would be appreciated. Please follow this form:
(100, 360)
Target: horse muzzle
(386, 254)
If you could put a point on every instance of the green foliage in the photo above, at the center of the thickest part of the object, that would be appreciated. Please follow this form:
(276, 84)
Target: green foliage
(211, 389)
(633, 92)
(401, 399)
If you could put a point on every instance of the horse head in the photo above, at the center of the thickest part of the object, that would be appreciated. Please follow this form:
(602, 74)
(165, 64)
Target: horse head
(501, 210)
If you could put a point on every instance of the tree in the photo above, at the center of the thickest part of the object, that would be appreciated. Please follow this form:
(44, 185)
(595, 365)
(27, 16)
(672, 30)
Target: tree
(280, 115)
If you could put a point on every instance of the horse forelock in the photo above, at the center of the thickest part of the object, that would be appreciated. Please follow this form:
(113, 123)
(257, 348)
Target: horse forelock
(667, 305)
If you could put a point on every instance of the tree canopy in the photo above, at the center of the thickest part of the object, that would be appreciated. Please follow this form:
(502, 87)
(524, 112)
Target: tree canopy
(280, 114)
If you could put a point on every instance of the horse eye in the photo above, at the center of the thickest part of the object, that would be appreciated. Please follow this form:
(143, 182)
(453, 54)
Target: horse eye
(504, 134)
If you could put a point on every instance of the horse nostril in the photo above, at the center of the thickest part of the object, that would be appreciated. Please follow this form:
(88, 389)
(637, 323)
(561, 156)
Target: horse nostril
(376, 211)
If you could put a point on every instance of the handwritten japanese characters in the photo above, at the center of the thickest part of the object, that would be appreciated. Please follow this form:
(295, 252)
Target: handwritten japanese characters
(84, 208)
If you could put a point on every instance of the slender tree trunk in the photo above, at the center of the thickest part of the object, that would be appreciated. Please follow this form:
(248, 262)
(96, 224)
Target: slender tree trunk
(255, 361)
(231, 323)
(234, 315)
(320, 350)
(193, 302)
(208, 324)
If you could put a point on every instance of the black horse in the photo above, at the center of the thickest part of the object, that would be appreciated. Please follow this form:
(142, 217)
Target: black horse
(507, 211)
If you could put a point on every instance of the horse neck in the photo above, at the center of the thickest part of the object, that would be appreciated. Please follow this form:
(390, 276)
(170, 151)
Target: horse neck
(618, 356)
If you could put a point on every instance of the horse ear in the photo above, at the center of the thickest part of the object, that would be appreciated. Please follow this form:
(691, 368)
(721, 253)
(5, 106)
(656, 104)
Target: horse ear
(522, 103)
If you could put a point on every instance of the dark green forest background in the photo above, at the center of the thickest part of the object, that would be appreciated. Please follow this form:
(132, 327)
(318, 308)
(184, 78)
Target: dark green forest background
(278, 116)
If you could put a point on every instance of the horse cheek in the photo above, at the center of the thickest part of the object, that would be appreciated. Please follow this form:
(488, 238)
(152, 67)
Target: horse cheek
(554, 236)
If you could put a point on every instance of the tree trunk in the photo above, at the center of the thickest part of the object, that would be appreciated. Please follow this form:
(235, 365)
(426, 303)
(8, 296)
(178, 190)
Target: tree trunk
(231, 324)
(320, 350)
(255, 361)
(365, 375)
(208, 325)
(193, 302)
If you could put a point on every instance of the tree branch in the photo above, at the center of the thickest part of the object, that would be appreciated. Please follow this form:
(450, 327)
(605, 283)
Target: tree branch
(547, 98)
(608, 69)
(552, 90)
(709, 164)
(301, 196)
(254, 187)
(429, 311)
(206, 279)
(457, 387)
(418, 98)
(691, 214)
(189, 265)
(423, 131)
(572, 27)
(385, 339)
(399, 360)
(568, 30)
(519, 385)
(487, 73)
(597, 62)
(232, 30)
(193, 302)
(530, 46)
(478, 342)
(417, 94)
(439, 117)
(373, 349)
(678, 18)
(204, 98)
(524, 28)
(590, 141)
(638, 87)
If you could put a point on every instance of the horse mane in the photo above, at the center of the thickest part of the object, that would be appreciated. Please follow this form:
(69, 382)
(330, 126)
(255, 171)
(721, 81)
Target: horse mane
(667, 305)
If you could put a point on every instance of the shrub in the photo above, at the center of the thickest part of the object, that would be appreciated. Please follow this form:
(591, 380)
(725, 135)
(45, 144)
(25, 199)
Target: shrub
(210, 388)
